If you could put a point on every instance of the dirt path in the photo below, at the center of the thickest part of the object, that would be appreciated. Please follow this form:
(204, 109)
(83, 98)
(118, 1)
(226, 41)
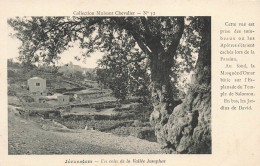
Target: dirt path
(28, 137)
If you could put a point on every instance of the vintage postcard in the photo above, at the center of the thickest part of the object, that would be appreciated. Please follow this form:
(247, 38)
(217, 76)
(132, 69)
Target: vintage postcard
(130, 83)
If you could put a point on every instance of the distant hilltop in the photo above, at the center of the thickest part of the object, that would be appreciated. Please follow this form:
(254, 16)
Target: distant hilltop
(70, 68)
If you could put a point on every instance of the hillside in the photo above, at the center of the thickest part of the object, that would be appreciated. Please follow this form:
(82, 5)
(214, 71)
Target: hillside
(92, 118)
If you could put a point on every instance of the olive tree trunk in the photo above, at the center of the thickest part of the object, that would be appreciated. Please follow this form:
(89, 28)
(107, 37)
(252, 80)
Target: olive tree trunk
(186, 128)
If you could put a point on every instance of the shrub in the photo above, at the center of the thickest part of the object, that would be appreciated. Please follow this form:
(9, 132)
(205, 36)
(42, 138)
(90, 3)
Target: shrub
(146, 133)
(202, 147)
(11, 73)
(28, 99)
(123, 116)
(117, 125)
(101, 117)
(137, 123)
(11, 93)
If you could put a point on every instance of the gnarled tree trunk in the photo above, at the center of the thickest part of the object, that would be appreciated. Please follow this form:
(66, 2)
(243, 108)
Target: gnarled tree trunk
(161, 62)
(162, 96)
(186, 129)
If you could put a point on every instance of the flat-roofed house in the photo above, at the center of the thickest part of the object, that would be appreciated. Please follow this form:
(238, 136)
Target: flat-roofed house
(37, 85)
(63, 99)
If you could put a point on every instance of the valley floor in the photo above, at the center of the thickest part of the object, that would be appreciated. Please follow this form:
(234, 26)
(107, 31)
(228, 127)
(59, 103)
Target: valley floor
(26, 136)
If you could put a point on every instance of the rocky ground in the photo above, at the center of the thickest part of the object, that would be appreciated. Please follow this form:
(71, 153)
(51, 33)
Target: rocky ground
(36, 136)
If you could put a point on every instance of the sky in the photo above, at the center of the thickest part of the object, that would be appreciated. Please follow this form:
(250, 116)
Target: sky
(66, 57)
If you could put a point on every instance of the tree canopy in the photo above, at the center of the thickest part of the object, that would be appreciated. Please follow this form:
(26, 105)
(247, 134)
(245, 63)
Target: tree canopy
(44, 38)
(128, 43)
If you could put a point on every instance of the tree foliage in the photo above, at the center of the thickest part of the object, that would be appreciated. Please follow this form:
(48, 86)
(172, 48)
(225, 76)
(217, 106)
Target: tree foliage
(127, 43)
(124, 78)
(44, 38)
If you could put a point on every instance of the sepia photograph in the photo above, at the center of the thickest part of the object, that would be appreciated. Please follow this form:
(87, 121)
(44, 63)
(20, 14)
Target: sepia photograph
(109, 85)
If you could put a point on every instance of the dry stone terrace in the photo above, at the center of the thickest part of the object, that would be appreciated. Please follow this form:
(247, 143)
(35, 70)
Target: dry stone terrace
(62, 105)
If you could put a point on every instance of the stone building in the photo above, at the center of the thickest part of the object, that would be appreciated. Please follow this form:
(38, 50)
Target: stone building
(37, 86)
(63, 99)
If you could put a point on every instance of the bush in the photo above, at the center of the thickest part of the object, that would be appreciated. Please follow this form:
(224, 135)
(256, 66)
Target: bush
(77, 122)
(118, 109)
(202, 147)
(88, 86)
(137, 123)
(11, 73)
(123, 116)
(117, 125)
(28, 99)
(76, 117)
(101, 117)
(60, 90)
(11, 93)
(146, 133)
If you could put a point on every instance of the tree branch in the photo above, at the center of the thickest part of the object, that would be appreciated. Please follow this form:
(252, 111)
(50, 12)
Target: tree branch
(153, 41)
(140, 43)
(177, 36)
(129, 27)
